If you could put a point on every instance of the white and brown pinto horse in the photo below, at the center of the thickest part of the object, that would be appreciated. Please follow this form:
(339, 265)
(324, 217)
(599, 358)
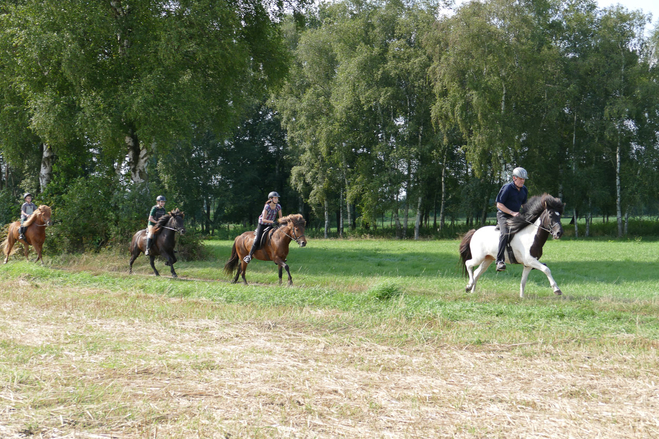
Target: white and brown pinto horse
(538, 218)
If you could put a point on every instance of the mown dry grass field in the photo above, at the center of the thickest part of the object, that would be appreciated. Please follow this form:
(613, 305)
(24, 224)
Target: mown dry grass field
(92, 356)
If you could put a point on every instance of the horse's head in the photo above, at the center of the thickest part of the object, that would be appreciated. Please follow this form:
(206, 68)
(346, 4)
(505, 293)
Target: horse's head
(44, 214)
(176, 221)
(294, 227)
(552, 216)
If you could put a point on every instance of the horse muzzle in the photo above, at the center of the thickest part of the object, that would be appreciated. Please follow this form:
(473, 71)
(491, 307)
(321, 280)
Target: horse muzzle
(302, 242)
(181, 231)
(557, 232)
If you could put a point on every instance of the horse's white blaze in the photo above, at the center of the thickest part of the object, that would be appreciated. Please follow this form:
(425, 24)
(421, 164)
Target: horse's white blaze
(484, 245)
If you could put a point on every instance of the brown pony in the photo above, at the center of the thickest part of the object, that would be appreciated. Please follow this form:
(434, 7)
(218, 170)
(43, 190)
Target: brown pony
(274, 247)
(35, 234)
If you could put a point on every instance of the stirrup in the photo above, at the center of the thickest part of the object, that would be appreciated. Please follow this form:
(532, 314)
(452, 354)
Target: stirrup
(247, 259)
(501, 266)
(21, 236)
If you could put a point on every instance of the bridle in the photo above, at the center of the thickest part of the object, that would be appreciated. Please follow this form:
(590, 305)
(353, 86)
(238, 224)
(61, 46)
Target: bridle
(296, 238)
(177, 230)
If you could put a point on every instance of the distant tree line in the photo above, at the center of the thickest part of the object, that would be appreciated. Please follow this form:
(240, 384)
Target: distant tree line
(351, 110)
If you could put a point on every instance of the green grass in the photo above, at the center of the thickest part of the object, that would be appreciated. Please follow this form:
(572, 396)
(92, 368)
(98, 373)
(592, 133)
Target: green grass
(610, 289)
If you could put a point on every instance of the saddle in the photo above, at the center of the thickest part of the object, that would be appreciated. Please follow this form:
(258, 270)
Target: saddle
(509, 249)
(265, 237)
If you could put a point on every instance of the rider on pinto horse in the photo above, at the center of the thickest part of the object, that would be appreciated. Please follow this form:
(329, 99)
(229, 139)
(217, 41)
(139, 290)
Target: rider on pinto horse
(509, 200)
(266, 219)
(27, 209)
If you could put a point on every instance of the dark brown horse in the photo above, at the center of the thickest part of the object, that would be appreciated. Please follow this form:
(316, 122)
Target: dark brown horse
(35, 234)
(274, 247)
(165, 240)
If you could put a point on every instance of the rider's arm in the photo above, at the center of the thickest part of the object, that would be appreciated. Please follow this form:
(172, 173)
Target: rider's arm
(504, 209)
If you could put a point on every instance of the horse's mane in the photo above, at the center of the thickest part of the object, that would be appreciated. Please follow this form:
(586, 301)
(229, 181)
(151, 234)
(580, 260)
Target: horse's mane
(532, 210)
(163, 220)
(296, 219)
(32, 218)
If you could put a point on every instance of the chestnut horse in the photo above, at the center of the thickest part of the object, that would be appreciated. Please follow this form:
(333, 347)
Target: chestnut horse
(35, 234)
(165, 240)
(274, 247)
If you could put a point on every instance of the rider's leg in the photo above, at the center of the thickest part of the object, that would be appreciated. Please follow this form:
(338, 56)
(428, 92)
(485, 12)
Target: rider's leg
(503, 240)
(256, 244)
(21, 232)
(149, 241)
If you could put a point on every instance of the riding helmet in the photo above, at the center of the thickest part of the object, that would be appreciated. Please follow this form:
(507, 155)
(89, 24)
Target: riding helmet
(273, 194)
(160, 198)
(27, 194)
(520, 173)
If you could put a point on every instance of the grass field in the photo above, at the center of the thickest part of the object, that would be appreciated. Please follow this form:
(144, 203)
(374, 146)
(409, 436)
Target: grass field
(376, 338)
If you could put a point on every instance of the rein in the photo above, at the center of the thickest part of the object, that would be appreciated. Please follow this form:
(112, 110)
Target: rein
(538, 226)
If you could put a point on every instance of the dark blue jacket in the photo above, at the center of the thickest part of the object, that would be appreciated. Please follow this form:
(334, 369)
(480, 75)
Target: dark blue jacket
(512, 198)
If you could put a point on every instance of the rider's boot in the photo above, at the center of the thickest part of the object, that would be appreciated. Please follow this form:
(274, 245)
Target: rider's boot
(21, 233)
(149, 243)
(501, 265)
(249, 256)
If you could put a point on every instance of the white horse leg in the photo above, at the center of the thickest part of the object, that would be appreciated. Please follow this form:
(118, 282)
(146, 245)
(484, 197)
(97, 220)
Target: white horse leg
(480, 270)
(542, 267)
(470, 272)
(525, 277)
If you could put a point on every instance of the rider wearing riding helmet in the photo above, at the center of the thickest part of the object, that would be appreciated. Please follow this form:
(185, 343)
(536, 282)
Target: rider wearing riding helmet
(156, 212)
(267, 218)
(509, 201)
(27, 209)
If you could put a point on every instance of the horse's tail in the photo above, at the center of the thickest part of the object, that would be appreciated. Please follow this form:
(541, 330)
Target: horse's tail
(232, 263)
(8, 229)
(465, 249)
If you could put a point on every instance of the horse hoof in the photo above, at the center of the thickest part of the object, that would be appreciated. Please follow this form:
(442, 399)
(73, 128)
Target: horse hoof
(558, 292)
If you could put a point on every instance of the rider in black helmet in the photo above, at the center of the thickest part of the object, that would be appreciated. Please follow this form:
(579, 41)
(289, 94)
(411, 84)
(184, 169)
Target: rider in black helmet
(156, 212)
(267, 218)
(27, 209)
(510, 199)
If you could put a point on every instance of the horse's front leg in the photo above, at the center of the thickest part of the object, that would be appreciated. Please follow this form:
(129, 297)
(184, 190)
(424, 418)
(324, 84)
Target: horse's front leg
(525, 277)
(282, 264)
(38, 248)
(542, 267)
(26, 250)
(170, 261)
(152, 258)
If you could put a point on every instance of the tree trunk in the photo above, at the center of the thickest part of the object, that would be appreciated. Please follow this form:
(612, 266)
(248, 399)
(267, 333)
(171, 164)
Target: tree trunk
(618, 201)
(396, 219)
(575, 217)
(46, 172)
(137, 158)
(340, 226)
(626, 220)
(443, 202)
(417, 224)
(327, 221)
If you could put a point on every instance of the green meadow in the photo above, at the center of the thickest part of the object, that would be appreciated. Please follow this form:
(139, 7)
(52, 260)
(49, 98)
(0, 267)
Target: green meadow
(610, 288)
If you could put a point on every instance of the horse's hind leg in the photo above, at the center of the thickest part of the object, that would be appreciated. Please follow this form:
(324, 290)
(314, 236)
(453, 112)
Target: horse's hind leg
(242, 269)
(475, 275)
(133, 256)
(281, 271)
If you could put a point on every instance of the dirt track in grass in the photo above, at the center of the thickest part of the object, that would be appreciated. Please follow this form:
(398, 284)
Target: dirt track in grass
(78, 364)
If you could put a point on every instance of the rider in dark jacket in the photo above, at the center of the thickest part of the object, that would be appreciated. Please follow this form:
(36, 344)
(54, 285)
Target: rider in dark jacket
(156, 212)
(509, 200)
